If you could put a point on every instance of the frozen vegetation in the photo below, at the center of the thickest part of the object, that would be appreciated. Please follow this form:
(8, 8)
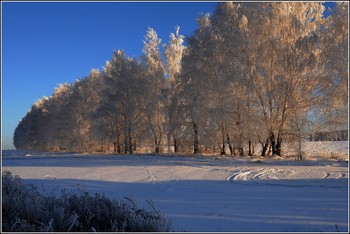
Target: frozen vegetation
(24, 209)
(206, 193)
(251, 73)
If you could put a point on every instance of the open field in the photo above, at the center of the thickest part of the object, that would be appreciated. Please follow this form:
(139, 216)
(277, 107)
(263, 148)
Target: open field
(204, 193)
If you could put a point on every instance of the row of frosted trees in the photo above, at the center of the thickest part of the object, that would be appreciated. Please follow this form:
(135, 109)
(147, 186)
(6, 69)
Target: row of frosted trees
(251, 74)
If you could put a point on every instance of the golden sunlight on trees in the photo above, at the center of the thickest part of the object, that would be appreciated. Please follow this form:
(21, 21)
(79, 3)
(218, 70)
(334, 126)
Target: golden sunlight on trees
(252, 74)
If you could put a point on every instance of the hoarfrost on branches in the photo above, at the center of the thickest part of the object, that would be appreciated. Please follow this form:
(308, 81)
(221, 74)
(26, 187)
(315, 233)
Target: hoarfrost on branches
(250, 74)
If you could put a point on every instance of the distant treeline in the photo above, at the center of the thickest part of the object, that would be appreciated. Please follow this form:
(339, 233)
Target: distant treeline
(340, 135)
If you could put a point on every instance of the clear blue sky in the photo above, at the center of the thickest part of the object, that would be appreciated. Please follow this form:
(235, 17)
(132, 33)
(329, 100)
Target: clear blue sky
(47, 43)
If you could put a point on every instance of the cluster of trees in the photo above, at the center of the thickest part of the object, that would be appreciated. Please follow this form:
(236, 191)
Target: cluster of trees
(251, 73)
(341, 135)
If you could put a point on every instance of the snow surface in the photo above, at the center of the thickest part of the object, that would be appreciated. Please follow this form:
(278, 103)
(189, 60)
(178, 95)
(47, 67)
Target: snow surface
(214, 194)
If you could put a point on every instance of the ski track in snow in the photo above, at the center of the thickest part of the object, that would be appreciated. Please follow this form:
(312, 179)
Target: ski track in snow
(154, 180)
(314, 177)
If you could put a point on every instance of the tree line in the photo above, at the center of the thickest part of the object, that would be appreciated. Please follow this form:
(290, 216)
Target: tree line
(251, 73)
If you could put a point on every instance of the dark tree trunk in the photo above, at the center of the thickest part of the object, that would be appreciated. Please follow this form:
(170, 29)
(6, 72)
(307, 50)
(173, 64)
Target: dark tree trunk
(175, 144)
(168, 141)
(278, 147)
(131, 151)
(126, 144)
(196, 141)
(300, 154)
(156, 145)
(229, 144)
(241, 151)
(272, 144)
(265, 147)
(276, 144)
(117, 148)
(250, 153)
(158, 141)
(223, 140)
(134, 144)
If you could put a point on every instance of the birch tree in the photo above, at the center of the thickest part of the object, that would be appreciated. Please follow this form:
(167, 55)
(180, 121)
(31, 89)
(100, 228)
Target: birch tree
(121, 101)
(193, 87)
(268, 36)
(85, 98)
(173, 53)
(152, 99)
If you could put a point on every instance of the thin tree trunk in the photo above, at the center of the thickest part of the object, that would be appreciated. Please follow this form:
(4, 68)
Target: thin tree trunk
(250, 148)
(134, 143)
(168, 141)
(223, 140)
(300, 156)
(265, 147)
(156, 144)
(229, 144)
(130, 142)
(278, 149)
(196, 141)
(159, 139)
(272, 143)
(276, 144)
(175, 144)
(126, 145)
(117, 148)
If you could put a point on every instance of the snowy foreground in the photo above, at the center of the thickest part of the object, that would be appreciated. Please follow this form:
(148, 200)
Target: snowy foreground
(203, 193)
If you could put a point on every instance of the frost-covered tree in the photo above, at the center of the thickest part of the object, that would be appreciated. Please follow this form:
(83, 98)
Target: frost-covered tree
(173, 53)
(120, 107)
(269, 37)
(61, 117)
(193, 86)
(229, 43)
(85, 101)
(152, 54)
(269, 53)
(32, 131)
(153, 97)
(48, 125)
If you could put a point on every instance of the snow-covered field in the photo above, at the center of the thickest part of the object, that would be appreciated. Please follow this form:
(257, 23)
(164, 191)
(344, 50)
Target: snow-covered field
(207, 193)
